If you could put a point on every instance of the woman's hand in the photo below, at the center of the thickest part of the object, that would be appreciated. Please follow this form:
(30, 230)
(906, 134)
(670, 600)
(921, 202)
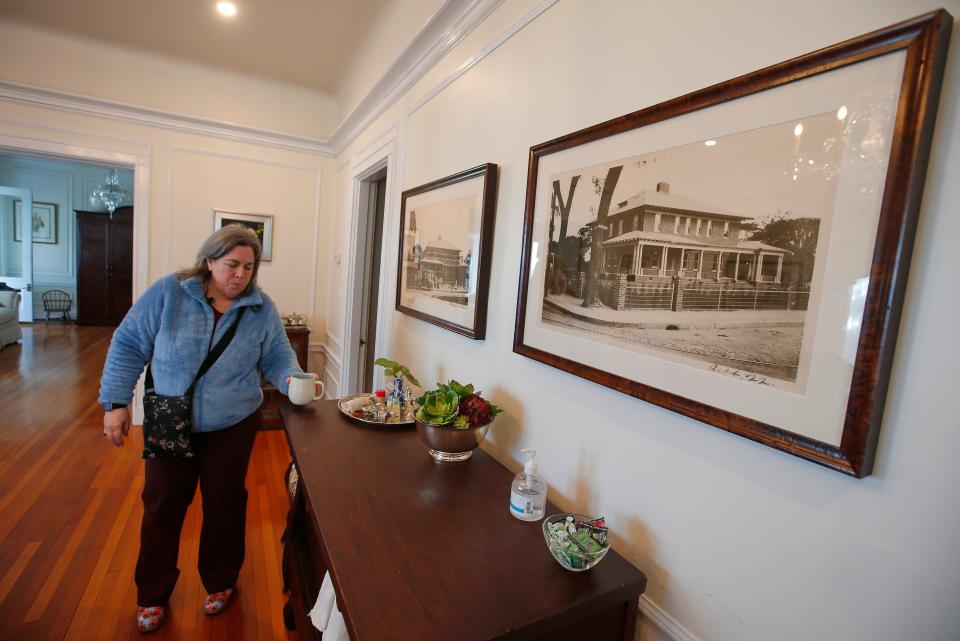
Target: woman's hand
(116, 425)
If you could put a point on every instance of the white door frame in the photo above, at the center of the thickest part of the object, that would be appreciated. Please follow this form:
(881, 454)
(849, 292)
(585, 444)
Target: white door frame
(140, 163)
(371, 161)
(25, 281)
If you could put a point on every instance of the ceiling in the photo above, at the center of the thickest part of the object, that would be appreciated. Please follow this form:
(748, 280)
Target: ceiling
(303, 42)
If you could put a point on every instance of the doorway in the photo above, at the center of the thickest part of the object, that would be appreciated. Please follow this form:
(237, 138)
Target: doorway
(54, 268)
(372, 202)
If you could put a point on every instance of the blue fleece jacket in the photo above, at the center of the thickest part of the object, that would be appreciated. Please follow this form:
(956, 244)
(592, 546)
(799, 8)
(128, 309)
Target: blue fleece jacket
(170, 327)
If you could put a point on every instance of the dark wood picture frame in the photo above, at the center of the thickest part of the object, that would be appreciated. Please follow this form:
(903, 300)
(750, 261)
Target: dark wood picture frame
(477, 328)
(54, 220)
(924, 40)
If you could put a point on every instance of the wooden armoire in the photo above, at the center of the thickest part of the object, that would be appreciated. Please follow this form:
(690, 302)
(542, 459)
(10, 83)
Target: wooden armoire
(104, 266)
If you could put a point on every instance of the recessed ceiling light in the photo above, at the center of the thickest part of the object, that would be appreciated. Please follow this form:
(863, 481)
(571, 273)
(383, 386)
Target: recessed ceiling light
(227, 9)
(798, 130)
(710, 143)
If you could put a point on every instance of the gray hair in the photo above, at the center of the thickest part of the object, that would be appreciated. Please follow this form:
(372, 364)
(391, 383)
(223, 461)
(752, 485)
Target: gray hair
(220, 243)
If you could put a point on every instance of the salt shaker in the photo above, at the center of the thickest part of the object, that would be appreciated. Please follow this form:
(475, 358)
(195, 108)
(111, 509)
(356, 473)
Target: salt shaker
(409, 404)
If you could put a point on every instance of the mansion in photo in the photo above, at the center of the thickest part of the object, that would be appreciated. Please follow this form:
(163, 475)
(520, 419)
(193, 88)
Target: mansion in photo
(663, 234)
(666, 251)
(440, 269)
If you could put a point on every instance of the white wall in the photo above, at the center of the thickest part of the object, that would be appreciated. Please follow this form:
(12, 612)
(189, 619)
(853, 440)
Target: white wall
(88, 67)
(206, 180)
(68, 186)
(739, 542)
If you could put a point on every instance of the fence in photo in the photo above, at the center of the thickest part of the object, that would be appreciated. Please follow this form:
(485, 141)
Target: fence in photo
(617, 292)
(726, 298)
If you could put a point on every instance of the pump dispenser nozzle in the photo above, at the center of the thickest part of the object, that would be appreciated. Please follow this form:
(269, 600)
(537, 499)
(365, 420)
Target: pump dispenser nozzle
(530, 467)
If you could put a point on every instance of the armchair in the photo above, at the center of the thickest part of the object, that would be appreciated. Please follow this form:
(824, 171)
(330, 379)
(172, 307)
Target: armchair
(9, 317)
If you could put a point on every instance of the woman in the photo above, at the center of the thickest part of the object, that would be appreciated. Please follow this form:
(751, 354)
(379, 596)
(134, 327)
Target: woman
(172, 327)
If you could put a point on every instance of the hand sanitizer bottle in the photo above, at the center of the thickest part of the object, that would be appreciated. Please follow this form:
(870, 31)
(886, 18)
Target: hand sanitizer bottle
(528, 492)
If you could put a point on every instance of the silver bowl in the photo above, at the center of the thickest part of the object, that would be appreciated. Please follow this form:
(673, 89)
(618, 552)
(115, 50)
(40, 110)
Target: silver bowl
(449, 444)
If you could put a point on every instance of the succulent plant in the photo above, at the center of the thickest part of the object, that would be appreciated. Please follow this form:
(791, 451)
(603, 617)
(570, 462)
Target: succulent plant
(455, 405)
(438, 407)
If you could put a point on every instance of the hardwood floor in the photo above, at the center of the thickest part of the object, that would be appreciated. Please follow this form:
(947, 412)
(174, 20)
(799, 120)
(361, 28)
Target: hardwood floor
(70, 510)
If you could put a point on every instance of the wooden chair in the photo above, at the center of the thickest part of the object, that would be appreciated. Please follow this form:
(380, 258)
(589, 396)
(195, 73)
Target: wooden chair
(57, 301)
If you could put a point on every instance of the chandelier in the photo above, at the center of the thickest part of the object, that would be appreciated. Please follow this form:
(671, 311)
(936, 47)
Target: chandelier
(110, 193)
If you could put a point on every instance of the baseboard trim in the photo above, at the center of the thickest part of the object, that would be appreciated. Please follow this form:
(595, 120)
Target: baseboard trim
(331, 369)
(663, 621)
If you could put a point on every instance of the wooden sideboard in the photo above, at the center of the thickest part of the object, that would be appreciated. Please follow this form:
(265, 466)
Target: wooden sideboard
(299, 338)
(426, 551)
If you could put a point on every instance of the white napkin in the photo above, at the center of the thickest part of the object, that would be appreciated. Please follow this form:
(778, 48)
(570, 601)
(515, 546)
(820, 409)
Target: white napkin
(325, 614)
(356, 404)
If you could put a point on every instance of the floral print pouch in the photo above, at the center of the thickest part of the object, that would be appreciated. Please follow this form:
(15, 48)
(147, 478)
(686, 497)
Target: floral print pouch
(167, 424)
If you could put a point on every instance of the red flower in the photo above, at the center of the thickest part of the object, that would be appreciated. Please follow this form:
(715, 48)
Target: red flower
(477, 410)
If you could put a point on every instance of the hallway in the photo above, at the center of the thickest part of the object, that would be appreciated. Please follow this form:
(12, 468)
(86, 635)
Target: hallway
(70, 507)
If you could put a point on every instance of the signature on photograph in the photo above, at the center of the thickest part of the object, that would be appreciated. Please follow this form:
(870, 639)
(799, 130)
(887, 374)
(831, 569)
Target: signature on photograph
(749, 377)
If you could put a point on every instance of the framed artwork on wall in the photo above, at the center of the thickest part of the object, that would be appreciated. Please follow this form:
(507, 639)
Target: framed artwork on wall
(739, 254)
(446, 240)
(44, 222)
(262, 224)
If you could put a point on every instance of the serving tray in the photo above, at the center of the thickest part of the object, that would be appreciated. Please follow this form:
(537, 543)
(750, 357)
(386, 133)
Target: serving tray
(344, 403)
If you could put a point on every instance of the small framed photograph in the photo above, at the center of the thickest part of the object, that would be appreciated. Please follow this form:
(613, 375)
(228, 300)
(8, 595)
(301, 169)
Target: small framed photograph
(446, 240)
(44, 222)
(262, 224)
(739, 254)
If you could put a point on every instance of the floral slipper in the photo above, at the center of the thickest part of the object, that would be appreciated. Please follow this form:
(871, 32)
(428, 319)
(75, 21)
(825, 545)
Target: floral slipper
(217, 602)
(149, 619)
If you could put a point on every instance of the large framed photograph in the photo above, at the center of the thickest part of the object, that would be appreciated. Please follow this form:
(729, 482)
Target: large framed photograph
(44, 222)
(446, 239)
(262, 224)
(739, 254)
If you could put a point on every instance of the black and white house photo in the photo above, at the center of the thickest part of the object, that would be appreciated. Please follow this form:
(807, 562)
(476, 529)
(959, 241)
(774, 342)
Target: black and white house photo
(702, 254)
(440, 240)
(437, 264)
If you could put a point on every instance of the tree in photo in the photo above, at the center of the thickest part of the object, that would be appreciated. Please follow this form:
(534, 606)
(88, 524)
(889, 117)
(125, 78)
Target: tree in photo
(798, 236)
(563, 206)
(565, 249)
(605, 188)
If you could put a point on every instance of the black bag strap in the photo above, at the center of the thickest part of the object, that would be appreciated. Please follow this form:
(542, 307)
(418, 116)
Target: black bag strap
(208, 362)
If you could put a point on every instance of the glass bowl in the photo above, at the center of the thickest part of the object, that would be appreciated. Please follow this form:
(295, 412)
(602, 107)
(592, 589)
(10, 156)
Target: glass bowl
(567, 553)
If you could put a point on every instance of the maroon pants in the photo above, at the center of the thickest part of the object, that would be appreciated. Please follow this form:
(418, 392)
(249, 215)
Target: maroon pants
(220, 466)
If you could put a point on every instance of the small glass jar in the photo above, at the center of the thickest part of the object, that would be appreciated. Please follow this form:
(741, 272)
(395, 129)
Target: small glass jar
(409, 404)
(380, 399)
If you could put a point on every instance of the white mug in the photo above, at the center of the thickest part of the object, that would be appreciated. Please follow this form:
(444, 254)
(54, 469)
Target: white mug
(302, 389)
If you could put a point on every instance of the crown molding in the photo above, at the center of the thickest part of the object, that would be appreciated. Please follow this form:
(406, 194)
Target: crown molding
(88, 105)
(452, 22)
